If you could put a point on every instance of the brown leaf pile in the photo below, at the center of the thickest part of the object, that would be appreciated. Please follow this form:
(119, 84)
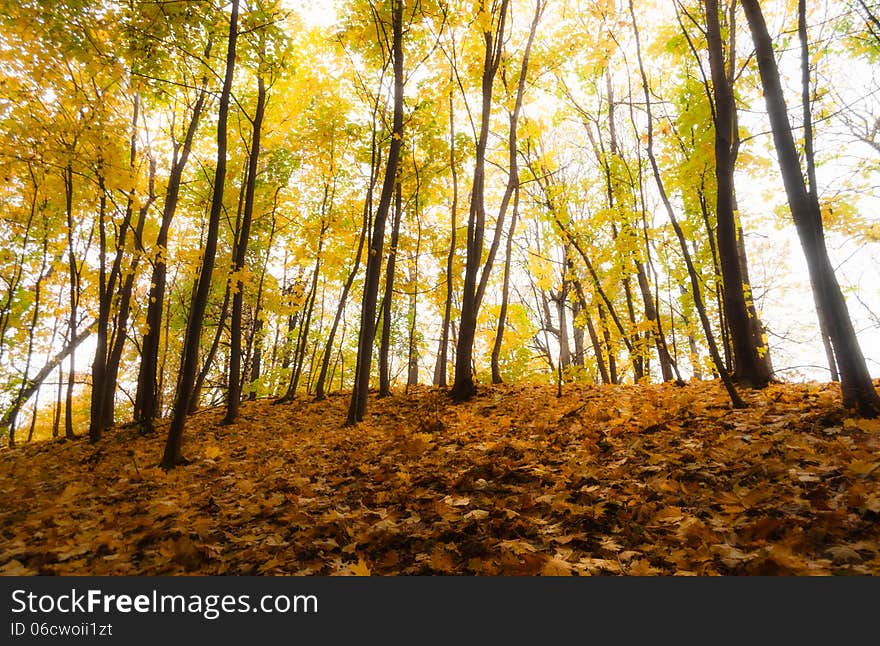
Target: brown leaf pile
(631, 480)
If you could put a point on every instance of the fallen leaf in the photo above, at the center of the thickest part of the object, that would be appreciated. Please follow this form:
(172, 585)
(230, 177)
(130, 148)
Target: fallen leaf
(212, 452)
(360, 568)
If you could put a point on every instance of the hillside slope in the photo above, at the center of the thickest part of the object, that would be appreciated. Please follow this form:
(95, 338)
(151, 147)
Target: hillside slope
(632, 480)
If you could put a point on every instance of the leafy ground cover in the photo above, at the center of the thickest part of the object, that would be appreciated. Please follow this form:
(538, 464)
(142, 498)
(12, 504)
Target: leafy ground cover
(612, 480)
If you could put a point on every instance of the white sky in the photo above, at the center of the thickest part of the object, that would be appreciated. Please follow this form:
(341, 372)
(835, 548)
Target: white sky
(317, 13)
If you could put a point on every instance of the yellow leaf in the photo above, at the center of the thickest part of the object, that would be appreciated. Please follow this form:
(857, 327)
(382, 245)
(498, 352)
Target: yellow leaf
(70, 492)
(212, 452)
(360, 568)
(867, 425)
(15, 568)
(669, 515)
(442, 560)
(556, 567)
(484, 20)
(862, 468)
(518, 547)
(641, 567)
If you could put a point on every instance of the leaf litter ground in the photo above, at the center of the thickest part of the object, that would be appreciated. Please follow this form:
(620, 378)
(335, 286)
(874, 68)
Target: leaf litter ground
(612, 480)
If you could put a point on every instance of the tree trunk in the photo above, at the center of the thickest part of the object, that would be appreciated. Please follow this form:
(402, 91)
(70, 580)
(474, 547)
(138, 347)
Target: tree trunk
(211, 353)
(340, 309)
(810, 159)
(564, 347)
(608, 347)
(505, 292)
(30, 349)
(239, 259)
(302, 337)
(385, 336)
(146, 404)
(412, 358)
(256, 340)
(189, 360)
(74, 300)
(855, 380)
(668, 367)
(105, 302)
(440, 368)
(464, 387)
(748, 352)
(358, 404)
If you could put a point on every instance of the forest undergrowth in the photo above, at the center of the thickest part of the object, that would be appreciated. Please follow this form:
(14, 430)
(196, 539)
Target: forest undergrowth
(610, 480)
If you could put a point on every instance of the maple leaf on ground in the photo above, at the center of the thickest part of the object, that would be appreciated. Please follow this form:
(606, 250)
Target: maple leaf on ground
(360, 568)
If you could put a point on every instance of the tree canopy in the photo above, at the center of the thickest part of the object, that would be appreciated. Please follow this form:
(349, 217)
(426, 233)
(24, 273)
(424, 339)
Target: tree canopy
(207, 202)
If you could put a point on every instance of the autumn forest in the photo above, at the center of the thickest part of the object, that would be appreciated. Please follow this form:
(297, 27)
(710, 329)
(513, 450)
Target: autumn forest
(558, 287)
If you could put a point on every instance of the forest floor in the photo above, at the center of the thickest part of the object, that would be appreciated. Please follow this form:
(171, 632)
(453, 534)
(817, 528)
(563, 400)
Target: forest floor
(625, 480)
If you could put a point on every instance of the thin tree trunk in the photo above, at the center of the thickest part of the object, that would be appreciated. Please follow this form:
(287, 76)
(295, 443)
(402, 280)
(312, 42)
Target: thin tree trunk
(735, 398)
(597, 349)
(412, 359)
(211, 353)
(305, 322)
(33, 424)
(749, 368)
(340, 309)
(637, 358)
(56, 421)
(608, 347)
(30, 349)
(360, 389)
(390, 265)
(74, 300)
(651, 301)
(239, 259)
(105, 302)
(564, 348)
(375, 161)
(6, 308)
(711, 236)
(441, 367)
(124, 301)
(810, 159)
(256, 340)
(189, 361)
(464, 387)
(505, 292)
(146, 405)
